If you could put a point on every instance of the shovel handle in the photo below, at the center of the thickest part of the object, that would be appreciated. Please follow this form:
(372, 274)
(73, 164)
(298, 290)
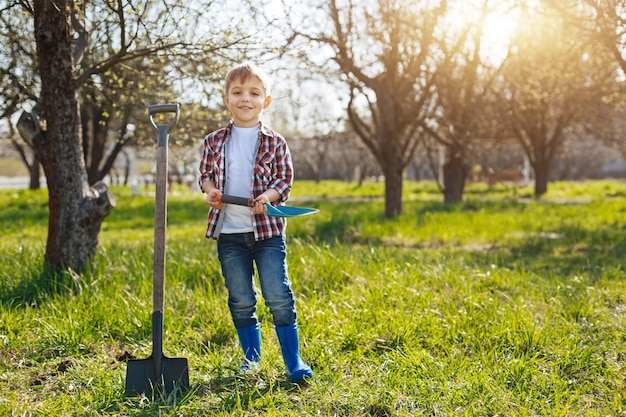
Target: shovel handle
(239, 201)
(160, 206)
(164, 129)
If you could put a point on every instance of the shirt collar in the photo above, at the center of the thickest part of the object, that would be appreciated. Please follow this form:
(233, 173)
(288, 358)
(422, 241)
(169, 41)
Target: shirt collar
(264, 129)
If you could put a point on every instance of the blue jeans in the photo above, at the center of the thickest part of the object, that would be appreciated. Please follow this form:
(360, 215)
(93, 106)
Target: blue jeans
(238, 253)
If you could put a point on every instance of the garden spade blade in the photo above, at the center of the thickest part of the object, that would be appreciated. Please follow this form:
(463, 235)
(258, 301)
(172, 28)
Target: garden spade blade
(278, 211)
(158, 373)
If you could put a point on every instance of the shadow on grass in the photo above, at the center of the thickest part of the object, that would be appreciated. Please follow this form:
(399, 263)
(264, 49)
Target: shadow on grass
(240, 392)
(223, 394)
(565, 251)
(37, 286)
(343, 221)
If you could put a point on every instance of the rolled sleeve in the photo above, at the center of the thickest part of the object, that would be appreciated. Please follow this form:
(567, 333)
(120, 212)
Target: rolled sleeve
(284, 172)
(274, 164)
(206, 168)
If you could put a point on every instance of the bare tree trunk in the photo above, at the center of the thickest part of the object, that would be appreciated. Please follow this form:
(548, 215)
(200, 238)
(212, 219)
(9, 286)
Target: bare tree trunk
(27, 127)
(393, 191)
(94, 134)
(76, 211)
(454, 173)
(541, 178)
(35, 174)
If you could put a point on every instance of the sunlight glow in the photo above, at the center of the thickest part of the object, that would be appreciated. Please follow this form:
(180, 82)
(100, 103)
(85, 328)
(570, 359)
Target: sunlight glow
(497, 32)
(497, 27)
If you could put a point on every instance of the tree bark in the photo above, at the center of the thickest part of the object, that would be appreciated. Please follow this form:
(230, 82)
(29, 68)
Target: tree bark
(454, 173)
(35, 174)
(76, 211)
(541, 168)
(393, 191)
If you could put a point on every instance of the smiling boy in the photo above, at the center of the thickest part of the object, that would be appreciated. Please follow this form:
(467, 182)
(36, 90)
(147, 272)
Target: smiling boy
(248, 159)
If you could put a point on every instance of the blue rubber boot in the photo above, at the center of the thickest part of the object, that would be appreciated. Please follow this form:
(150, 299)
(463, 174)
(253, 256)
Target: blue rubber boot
(250, 341)
(288, 339)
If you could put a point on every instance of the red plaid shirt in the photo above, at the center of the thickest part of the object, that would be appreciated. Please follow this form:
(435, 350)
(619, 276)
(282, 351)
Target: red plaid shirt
(272, 169)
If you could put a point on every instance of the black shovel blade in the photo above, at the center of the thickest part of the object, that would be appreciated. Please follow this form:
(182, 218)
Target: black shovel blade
(142, 379)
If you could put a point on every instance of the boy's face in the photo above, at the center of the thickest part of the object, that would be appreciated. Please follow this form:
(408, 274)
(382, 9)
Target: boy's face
(246, 100)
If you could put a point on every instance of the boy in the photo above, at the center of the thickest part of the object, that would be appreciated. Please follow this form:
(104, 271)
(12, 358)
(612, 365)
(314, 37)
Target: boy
(245, 159)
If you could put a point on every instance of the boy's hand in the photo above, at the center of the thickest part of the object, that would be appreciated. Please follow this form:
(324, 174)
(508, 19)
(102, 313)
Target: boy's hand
(259, 204)
(213, 199)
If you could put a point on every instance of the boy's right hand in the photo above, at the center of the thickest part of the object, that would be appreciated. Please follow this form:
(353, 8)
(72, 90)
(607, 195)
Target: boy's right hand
(214, 199)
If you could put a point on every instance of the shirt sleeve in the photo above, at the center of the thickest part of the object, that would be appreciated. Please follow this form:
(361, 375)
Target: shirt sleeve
(283, 177)
(207, 172)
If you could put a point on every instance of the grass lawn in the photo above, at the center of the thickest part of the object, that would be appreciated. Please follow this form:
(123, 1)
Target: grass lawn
(501, 305)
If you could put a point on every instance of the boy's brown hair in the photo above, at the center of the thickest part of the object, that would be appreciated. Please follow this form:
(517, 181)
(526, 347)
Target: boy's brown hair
(244, 71)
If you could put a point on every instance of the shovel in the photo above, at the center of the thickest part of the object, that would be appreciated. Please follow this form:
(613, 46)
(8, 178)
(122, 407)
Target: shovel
(158, 373)
(278, 211)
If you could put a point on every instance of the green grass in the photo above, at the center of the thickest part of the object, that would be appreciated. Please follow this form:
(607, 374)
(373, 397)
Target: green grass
(501, 305)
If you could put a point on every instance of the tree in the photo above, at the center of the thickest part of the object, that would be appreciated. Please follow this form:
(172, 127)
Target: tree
(76, 209)
(463, 78)
(550, 88)
(604, 22)
(384, 52)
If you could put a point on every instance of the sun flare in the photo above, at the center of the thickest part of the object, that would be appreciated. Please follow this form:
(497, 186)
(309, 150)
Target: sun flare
(497, 27)
(497, 31)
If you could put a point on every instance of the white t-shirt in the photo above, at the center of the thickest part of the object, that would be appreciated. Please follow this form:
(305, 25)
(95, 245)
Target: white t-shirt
(240, 156)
